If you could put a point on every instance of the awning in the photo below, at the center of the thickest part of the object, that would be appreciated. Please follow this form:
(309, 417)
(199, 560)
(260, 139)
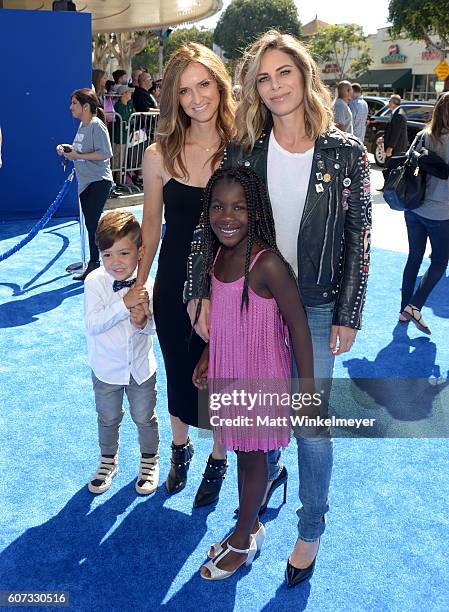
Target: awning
(119, 15)
(387, 79)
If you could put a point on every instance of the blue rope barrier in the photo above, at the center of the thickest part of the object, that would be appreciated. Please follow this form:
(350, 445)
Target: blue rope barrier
(45, 219)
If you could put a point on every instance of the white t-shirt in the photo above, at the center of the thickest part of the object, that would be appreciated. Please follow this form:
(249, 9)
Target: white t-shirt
(343, 115)
(92, 137)
(288, 177)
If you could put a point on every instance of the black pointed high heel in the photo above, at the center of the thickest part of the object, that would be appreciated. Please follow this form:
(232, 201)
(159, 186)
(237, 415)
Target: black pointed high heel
(295, 575)
(282, 479)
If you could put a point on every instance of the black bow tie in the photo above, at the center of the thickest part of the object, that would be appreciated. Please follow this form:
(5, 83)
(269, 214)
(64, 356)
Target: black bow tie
(117, 285)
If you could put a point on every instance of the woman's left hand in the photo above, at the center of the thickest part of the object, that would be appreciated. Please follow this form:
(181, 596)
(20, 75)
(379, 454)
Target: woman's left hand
(342, 338)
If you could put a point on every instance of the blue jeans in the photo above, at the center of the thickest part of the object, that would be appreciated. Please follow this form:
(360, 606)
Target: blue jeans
(418, 230)
(314, 453)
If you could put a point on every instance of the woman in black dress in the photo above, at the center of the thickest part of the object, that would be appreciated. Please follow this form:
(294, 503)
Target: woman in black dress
(195, 124)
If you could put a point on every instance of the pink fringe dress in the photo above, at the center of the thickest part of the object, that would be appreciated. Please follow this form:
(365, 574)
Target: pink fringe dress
(249, 351)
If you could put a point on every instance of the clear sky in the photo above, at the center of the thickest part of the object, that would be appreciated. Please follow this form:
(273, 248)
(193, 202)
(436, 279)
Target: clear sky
(371, 15)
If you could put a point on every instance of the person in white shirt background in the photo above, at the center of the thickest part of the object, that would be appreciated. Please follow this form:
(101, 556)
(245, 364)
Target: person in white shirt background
(342, 112)
(359, 110)
(120, 350)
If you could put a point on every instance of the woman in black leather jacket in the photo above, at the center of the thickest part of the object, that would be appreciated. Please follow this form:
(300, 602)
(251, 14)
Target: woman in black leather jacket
(319, 187)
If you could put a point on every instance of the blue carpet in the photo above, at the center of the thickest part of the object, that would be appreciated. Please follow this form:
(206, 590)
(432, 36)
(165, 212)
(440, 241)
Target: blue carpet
(386, 544)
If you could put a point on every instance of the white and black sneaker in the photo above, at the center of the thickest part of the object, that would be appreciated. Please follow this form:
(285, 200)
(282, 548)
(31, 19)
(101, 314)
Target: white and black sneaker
(102, 479)
(148, 477)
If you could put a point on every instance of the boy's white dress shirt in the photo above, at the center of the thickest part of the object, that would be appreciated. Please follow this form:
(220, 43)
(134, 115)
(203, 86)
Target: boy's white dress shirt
(116, 349)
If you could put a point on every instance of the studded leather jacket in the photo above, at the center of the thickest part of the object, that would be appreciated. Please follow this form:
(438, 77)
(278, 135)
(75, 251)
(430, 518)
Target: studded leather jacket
(335, 229)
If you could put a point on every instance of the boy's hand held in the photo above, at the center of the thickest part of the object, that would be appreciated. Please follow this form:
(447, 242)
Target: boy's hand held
(138, 316)
(135, 296)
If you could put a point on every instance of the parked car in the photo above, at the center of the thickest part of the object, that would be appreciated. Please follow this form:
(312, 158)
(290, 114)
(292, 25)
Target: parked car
(418, 114)
(375, 104)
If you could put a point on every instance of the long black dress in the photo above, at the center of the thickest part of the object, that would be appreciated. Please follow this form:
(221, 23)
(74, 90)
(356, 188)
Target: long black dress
(181, 352)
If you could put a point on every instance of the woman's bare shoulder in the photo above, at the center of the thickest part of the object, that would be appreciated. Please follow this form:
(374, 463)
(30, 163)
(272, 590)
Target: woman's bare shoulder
(154, 153)
(154, 162)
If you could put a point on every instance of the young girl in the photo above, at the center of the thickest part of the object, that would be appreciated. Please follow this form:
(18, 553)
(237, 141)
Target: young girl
(254, 294)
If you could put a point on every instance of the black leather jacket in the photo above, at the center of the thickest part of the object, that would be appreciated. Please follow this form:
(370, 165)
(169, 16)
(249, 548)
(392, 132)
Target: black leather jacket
(334, 233)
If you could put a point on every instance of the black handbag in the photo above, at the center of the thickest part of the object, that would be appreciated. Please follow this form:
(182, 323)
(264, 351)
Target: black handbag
(405, 185)
(428, 162)
(431, 163)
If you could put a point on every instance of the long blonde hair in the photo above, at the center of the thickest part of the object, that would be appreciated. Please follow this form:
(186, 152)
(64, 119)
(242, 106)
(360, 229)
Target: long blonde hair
(252, 115)
(173, 121)
(439, 124)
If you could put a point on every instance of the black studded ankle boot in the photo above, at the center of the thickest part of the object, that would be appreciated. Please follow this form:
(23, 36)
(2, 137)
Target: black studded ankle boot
(209, 489)
(181, 456)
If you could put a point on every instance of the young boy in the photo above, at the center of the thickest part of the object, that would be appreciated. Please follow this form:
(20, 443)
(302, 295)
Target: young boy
(123, 107)
(120, 350)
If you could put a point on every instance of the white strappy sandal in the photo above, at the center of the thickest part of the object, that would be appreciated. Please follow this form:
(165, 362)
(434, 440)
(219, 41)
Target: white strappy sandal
(217, 548)
(219, 574)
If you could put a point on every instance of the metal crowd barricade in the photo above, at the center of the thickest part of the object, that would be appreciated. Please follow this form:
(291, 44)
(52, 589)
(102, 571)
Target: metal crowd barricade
(118, 131)
(141, 133)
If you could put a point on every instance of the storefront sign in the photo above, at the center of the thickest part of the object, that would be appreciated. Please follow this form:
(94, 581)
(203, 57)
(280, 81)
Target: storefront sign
(393, 57)
(330, 68)
(431, 55)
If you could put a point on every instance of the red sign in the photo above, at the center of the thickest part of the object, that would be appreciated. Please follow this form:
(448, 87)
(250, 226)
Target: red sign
(329, 68)
(431, 55)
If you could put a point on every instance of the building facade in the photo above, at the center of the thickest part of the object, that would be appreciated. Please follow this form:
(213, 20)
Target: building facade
(403, 66)
(399, 65)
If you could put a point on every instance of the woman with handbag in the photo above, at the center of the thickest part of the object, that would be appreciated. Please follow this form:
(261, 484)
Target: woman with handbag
(430, 220)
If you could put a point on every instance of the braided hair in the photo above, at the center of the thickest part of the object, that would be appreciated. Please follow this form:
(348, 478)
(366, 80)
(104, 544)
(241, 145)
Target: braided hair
(260, 224)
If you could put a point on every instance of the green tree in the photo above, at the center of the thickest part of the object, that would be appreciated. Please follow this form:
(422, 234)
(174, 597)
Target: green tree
(361, 64)
(334, 43)
(419, 19)
(121, 46)
(244, 20)
(149, 57)
(183, 35)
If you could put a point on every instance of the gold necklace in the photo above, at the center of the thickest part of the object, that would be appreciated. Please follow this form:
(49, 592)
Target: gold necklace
(207, 149)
